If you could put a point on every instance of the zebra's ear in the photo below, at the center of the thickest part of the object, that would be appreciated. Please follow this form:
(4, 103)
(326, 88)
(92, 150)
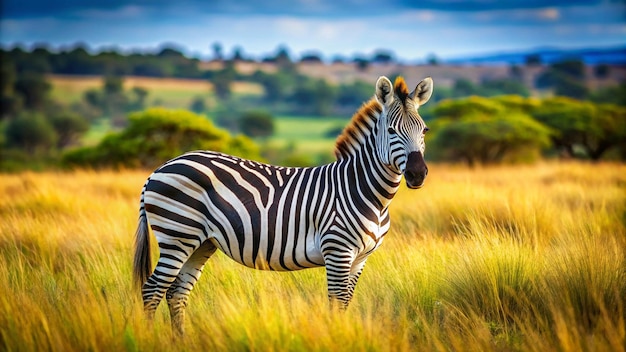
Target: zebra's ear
(384, 91)
(423, 91)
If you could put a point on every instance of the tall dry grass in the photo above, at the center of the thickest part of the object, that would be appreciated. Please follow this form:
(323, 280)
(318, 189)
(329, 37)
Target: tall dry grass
(525, 258)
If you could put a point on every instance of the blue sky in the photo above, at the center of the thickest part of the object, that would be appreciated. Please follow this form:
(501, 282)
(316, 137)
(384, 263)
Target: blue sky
(411, 29)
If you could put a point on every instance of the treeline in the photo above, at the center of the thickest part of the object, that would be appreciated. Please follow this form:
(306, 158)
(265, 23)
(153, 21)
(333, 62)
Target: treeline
(168, 62)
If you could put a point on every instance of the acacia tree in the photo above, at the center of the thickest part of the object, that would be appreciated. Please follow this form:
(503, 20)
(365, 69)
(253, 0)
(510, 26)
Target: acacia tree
(607, 130)
(156, 135)
(486, 139)
(594, 128)
(480, 130)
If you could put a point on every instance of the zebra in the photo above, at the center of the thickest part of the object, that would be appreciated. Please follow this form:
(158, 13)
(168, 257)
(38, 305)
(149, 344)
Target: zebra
(282, 218)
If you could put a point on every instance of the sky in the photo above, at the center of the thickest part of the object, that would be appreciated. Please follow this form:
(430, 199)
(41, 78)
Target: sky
(412, 30)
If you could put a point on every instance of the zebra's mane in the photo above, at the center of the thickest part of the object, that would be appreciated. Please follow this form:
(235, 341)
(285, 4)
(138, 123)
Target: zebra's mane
(363, 121)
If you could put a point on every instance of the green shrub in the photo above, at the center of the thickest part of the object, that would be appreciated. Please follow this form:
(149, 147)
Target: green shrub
(485, 139)
(30, 132)
(157, 135)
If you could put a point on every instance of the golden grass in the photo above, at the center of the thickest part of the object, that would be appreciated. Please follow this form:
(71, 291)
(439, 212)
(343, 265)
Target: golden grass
(525, 258)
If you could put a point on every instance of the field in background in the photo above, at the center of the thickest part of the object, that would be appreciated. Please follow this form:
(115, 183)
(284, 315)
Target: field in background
(302, 135)
(496, 259)
(307, 135)
(169, 92)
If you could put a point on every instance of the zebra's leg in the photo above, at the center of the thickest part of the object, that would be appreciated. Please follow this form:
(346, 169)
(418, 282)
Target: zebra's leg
(355, 273)
(178, 293)
(171, 260)
(338, 266)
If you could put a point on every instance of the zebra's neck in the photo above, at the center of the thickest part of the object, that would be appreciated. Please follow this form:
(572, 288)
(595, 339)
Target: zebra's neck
(356, 151)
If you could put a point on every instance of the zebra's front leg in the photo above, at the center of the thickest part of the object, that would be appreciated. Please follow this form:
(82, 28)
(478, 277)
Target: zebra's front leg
(340, 278)
(355, 273)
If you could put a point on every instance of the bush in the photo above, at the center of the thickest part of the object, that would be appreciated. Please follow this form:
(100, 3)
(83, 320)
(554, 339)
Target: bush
(30, 132)
(487, 139)
(257, 124)
(69, 127)
(157, 135)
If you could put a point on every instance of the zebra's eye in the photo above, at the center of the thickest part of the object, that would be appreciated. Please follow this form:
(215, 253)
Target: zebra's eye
(426, 129)
(391, 130)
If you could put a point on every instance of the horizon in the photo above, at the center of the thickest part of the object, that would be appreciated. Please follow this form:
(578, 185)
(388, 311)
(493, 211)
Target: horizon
(446, 29)
(92, 50)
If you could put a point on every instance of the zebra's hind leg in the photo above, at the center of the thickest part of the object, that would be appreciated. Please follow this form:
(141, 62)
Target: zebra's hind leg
(171, 260)
(178, 293)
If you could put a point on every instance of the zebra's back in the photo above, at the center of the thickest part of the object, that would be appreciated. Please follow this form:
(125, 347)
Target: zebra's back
(262, 216)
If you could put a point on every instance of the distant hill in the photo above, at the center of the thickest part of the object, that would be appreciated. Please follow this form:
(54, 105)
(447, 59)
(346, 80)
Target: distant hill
(591, 56)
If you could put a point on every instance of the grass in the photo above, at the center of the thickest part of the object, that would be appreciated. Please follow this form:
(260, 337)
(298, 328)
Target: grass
(306, 135)
(529, 258)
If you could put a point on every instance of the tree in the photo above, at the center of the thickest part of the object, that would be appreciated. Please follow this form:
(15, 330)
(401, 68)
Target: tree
(463, 87)
(198, 105)
(69, 127)
(486, 139)
(30, 132)
(569, 86)
(257, 124)
(34, 88)
(593, 128)
(274, 85)
(610, 95)
(311, 57)
(314, 96)
(602, 71)
(432, 59)
(607, 130)
(361, 63)
(566, 77)
(157, 135)
(238, 54)
(282, 57)
(568, 117)
(354, 94)
(223, 79)
(218, 52)
(113, 84)
(383, 56)
(138, 100)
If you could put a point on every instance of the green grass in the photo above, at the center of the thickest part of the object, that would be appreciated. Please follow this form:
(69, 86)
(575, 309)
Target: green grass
(306, 135)
(529, 258)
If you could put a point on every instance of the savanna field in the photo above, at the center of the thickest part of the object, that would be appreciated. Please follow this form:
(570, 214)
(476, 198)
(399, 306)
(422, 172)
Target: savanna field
(508, 258)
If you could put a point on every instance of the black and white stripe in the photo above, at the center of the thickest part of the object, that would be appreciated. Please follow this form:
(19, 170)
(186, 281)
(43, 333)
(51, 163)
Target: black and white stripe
(281, 218)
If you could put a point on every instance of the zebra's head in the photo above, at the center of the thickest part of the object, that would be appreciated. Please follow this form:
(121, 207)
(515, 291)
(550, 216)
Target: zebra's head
(400, 129)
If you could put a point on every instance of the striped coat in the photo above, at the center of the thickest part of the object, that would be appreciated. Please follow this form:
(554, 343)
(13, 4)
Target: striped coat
(282, 218)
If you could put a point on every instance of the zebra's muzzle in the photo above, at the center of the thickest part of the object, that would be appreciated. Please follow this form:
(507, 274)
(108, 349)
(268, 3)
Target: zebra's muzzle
(416, 170)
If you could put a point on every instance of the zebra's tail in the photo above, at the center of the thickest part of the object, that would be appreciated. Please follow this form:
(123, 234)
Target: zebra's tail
(142, 265)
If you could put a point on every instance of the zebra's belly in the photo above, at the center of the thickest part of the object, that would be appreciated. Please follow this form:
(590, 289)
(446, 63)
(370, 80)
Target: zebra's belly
(282, 256)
